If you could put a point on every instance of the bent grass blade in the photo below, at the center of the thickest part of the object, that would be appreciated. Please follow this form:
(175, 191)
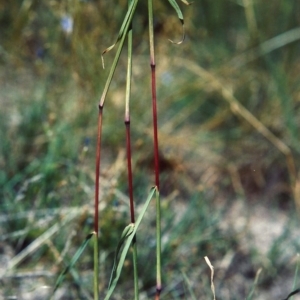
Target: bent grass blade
(128, 230)
(180, 17)
(126, 241)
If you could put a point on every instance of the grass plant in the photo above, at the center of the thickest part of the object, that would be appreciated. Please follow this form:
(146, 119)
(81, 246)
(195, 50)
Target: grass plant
(126, 31)
(227, 105)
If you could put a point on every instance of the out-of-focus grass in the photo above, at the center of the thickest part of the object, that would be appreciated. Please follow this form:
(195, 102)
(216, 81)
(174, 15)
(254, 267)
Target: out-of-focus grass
(50, 84)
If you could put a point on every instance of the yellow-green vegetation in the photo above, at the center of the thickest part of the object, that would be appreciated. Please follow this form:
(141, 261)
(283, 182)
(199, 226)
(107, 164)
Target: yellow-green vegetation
(228, 116)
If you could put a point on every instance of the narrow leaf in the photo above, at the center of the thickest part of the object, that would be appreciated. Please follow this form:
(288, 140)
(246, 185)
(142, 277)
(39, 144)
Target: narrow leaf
(127, 236)
(126, 233)
(127, 22)
(124, 27)
(177, 9)
(73, 261)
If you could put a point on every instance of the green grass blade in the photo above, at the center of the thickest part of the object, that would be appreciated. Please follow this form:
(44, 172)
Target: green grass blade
(96, 266)
(177, 9)
(125, 25)
(73, 261)
(135, 270)
(126, 239)
(128, 230)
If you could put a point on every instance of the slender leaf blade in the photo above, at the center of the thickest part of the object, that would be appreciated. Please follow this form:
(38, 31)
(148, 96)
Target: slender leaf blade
(128, 235)
(125, 234)
(177, 9)
(124, 26)
(127, 24)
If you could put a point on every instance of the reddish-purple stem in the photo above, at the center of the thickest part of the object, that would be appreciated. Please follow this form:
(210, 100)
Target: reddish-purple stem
(98, 152)
(130, 187)
(155, 135)
(155, 143)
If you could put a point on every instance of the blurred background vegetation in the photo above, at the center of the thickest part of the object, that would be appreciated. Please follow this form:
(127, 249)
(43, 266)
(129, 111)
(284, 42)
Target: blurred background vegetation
(229, 192)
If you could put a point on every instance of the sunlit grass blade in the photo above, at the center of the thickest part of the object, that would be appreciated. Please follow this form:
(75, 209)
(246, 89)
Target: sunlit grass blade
(126, 241)
(73, 261)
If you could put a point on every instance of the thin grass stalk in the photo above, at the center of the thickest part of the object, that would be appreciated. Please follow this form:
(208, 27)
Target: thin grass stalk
(158, 247)
(96, 205)
(98, 150)
(127, 123)
(156, 153)
(129, 168)
(96, 267)
(153, 90)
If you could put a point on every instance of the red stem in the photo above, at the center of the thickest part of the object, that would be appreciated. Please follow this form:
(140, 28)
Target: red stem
(98, 151)
(130, 187)
(155, 135)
